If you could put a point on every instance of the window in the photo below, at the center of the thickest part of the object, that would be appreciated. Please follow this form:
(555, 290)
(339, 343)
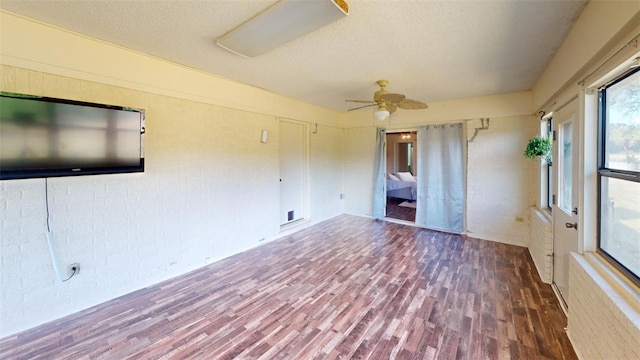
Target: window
(619, 173)
(547, 131)
(565, 167)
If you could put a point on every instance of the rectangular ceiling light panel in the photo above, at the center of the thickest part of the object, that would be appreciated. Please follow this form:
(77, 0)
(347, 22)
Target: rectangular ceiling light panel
(280, 23)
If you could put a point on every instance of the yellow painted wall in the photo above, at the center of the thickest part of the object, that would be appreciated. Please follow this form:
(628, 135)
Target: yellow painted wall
(599, 27)
(210, 187)
(32, 45)
(501, 105)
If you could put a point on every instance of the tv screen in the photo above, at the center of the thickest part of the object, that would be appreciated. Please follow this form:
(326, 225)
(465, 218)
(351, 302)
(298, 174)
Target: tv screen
(47, 137)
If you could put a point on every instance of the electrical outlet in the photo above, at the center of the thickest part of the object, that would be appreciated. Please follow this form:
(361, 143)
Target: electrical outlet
(519, 219)
(73, 269)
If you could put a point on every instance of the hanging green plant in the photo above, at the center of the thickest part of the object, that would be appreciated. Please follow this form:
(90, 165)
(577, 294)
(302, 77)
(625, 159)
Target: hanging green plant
(538, 146)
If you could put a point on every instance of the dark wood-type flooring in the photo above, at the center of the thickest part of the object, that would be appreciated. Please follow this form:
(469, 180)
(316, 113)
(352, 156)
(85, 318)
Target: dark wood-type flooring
(394, 210)
(347, 288)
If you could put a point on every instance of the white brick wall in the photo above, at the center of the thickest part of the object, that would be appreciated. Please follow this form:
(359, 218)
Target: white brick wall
(500, 181)
(541, 243)
(604, 317)
(327, 154)
(210, 189)
(359, 148)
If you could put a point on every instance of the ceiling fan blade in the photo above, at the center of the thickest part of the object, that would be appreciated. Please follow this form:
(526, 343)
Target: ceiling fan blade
(391, 98)
(362, 107)
(392, 108)
(361, 101)
(408, 104)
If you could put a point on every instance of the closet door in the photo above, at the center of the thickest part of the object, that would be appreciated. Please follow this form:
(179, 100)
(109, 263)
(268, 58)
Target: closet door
(293, 165)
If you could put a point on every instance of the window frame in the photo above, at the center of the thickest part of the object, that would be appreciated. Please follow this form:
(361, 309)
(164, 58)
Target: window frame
(603, 171)
(546, 176)
(549, 166)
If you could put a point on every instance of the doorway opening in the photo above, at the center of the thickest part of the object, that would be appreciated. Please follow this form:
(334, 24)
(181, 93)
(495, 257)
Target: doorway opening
(401, 170)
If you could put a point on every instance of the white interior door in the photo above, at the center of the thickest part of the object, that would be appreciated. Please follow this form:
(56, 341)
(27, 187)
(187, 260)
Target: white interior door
(292, 171)
(565, 207)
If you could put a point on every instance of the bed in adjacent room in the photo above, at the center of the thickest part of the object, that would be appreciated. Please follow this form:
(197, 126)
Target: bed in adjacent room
(402, 186)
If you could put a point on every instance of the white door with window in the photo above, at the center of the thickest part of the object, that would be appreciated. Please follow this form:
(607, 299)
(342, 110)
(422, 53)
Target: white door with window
(565, 207)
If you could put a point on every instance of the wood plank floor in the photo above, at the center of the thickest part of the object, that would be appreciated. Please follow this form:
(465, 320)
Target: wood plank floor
(349, 287)
(394, 210)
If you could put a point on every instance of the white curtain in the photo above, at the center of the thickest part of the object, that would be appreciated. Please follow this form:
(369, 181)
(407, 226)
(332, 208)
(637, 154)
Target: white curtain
(440, 177)
(379, 180)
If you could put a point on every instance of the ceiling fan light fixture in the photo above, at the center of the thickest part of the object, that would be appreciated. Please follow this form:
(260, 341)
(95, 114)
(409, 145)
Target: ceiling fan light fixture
(382, 113)
(281, 23)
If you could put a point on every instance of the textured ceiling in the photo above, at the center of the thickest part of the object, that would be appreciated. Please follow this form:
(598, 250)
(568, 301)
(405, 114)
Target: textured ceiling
(428, 50)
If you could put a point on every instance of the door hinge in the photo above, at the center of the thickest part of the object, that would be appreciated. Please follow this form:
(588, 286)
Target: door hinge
(554, 135)
(553, 199)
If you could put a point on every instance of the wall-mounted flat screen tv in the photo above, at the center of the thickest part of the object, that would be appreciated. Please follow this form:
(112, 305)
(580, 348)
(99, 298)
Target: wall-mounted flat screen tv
(47, 137)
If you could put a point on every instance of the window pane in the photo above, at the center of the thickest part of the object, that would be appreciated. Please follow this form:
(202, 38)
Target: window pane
(622, 138)
(550, 186)
(549, 165)
(620, 221)
(566, 166)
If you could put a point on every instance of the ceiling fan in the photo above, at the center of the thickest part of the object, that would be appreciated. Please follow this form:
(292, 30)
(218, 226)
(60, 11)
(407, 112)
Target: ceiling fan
(387, 102)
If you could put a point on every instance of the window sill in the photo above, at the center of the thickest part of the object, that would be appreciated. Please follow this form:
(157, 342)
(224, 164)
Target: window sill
(628, 293)
(544, 213)
(604, 310)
